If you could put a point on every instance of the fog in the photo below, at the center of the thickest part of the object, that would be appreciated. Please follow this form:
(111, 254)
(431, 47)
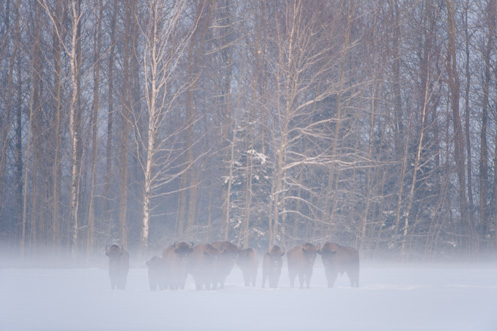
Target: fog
(390, 297)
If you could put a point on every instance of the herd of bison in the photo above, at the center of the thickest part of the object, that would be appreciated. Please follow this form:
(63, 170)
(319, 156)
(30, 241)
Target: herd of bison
(210, 265)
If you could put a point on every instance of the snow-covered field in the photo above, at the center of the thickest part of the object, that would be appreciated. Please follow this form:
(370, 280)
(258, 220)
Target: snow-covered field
(389, 298)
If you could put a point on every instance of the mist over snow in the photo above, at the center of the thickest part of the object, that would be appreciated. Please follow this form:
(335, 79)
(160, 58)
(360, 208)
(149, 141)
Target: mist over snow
(390, 297)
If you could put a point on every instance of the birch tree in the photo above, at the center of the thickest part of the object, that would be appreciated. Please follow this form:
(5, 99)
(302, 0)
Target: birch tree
(308, 40)
(94, 124)
(165, 43)
(75, 119)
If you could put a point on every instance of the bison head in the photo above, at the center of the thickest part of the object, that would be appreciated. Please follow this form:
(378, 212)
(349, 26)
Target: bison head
(211, 252)
(114, 252)
(310, 252)
(227, 251)
(328, 252)
(183, 249)
(245, 254)
(155, 262)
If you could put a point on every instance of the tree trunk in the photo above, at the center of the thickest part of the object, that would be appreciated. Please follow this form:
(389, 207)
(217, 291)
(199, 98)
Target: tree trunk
(74, 123)
(35, 125)
(333, 174)
(417, 159)
(126, 115)
(188, 199)
(467, 134)
(57, 165)
(397, 40)
(19, 164)
(6, 118)
(94, 127)
(483, 167)
(458, 135)
(230, 182)
(110, 117)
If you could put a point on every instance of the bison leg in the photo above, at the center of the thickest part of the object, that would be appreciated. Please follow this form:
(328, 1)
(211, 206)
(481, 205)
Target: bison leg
(182, 282)
(273, 282)
(253, 278)
(354, 279)
(308, 276)
(246, 278)
(301, 279)
(292, 275)
(331, 275)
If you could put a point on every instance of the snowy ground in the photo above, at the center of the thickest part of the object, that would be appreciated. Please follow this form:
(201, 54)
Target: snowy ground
(389, 298)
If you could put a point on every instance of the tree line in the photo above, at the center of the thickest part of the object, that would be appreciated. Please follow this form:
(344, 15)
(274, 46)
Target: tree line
(369, 123)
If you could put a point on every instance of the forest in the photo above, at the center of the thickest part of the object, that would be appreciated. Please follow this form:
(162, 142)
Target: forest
(367, 123)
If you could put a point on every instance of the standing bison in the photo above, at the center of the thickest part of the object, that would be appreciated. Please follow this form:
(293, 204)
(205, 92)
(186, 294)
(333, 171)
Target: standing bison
(340, 259)
(176, 262)
(300, 262)
(118, 266)
(247, 261)
(271, 266)
(156, 273)
(227, 253)
(201, 265)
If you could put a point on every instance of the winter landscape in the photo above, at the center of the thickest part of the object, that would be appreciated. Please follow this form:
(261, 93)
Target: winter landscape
(127, 126)
(390, 297)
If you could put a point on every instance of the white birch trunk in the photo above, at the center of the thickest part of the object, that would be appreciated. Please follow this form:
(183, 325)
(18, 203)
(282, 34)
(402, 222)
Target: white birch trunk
(73, 129)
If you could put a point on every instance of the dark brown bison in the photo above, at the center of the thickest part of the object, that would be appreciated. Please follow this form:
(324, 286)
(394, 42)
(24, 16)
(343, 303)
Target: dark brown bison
(340, 259)
(271, 266)
(118, 266)
(247, 261)
(176, 262)
(201, 265)
(300, 262)
(156, 273)
(227, 253)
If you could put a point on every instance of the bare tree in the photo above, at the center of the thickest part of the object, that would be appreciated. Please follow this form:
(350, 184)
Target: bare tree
(57, 40)
(454, 86)
(307, 53)
(110, 112)
(8, 94)
(75, 119)
(483, 162)
(94, 125)
(203, 14)
(165, 44)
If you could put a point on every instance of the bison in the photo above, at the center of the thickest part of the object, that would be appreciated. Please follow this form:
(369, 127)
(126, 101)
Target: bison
(118, 266)
(300, 262)
(156, 273)
(227, 253)
(247, 261)
(176, 261)
(201, 265)
(271, 266)
(340, 259)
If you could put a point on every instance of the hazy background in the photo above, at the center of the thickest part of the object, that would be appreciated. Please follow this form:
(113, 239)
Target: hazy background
(367, 123)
